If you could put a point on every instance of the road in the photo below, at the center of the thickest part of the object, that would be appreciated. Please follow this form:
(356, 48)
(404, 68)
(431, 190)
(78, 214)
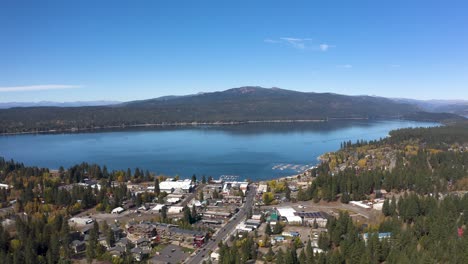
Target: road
(211, 245)
(192, 195)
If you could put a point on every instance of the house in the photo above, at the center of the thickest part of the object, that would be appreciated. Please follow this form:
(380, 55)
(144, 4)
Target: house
(117, 231)
(4, 186)
(123, 242)
(199, 241)
(214, 214)
(139, 254)
(252, 223)
(215, 256)
(262, 188)
(142, 230)
(231, 199)
(381, 236)
(144, 207)
(78, 246)
(256, 216)
(86, 230)
(117, 251)
(143, 243)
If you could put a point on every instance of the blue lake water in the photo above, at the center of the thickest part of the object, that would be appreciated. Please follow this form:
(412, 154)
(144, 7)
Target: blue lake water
(250, 151)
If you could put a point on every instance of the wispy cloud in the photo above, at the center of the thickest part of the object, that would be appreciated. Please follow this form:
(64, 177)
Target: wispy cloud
(394, 65)
(41, 87)
(344, 66)
(324, 47)
(300, 43)
(271, 41)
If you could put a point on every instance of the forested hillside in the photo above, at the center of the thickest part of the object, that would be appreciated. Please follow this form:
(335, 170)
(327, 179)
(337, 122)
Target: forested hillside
(234, 105)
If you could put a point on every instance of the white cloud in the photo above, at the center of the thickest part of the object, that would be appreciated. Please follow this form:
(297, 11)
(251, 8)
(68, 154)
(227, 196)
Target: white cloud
(41, 87)
(300, 43)
(296, 42)
(271, 41)
(324, 47)
(345, 66)
(394, 65)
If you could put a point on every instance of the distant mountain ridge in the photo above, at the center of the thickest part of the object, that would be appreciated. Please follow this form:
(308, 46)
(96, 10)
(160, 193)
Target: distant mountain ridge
(459, 107)
(237, 105)
(59, 104)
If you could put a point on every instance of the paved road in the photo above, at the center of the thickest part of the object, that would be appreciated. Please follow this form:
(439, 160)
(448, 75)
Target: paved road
(226, 230)
(192, 195)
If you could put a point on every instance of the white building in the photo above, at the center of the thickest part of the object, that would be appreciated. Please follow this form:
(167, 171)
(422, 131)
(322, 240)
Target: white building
(173, 200)
(117, 210)
(4, 186)
(175, 209)
(262, 188)
(158, 207)
(81, 220)
(182, 186)
(288, 214)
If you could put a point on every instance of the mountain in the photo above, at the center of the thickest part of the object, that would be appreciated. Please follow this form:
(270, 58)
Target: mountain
(234, 105)
(60, 104)
(459, 107)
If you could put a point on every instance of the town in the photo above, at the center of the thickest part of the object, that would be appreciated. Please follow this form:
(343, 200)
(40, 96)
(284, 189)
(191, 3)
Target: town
(194, 216)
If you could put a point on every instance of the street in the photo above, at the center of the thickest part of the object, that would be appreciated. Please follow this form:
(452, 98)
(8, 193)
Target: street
(226, 230)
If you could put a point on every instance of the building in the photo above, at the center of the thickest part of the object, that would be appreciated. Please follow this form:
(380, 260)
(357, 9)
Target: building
(173, 200)
(4, 186)
(78, 246)
(321, 218)
(158, 207)
(175, 209)
(117, 210)
(139, 254)
(143, 242)
(290, 234)
(145, 230)
(198, 240)
(181, 186)
(288, 214)
(231, 199)
(252, 223)
(81, 220)
(262, 188)
(381, 236)
(235, 185)
(117, 251)
(214, 214)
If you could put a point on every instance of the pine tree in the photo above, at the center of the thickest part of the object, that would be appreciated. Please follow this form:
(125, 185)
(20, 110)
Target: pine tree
(268, 229)
(386, 208)
(280, 257)
(110, 237)
(157, 191)
(302, 257)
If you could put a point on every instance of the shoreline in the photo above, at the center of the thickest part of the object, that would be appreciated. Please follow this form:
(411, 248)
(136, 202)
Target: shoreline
(195, 124)
(176, 124)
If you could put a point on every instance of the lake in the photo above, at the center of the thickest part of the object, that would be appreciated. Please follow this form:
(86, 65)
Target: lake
(252, 151)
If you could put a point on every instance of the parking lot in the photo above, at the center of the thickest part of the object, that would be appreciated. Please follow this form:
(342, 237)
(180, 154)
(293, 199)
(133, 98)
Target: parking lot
(170, 254)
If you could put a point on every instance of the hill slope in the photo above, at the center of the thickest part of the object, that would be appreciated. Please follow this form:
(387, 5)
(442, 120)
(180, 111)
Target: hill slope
(233, 105)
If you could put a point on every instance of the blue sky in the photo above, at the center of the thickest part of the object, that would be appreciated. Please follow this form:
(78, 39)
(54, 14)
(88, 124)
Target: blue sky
(116, 50)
